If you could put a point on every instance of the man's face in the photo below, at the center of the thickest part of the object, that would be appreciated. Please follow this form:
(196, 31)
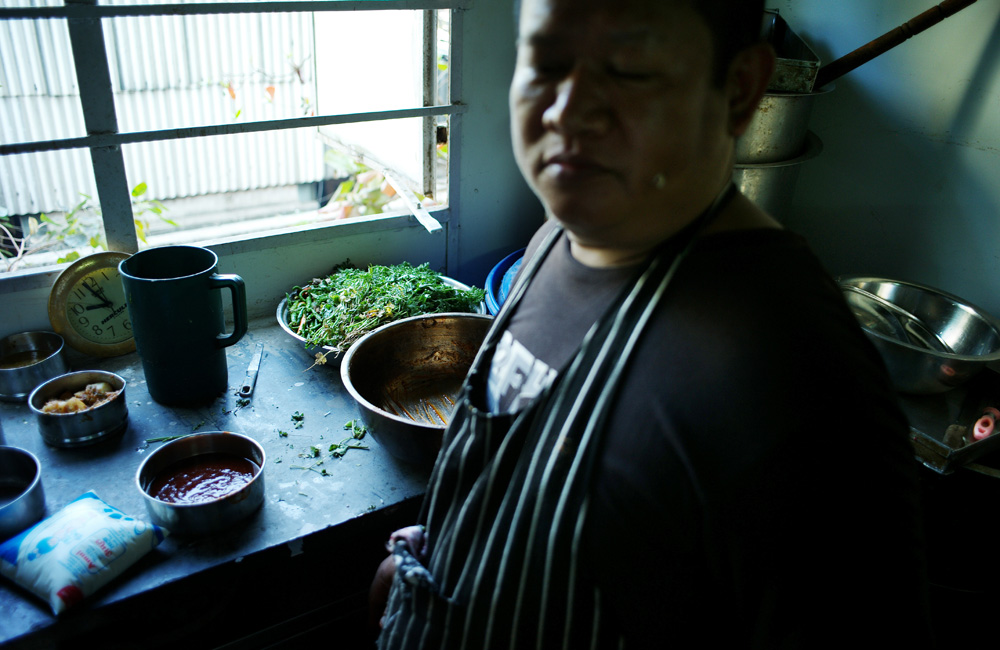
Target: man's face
(615, 121)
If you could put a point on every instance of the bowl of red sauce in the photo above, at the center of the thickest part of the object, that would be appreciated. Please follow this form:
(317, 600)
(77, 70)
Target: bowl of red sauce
(203, 483)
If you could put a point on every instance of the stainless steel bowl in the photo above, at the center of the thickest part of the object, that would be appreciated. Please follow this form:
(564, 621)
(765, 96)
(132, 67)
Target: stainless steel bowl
(26, 360)
(82, 427)
(22, 500)
(205, 517)
(931, 340)
(406, 378)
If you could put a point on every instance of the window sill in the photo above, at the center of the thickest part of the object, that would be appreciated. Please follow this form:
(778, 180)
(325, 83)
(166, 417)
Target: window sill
(271, 235)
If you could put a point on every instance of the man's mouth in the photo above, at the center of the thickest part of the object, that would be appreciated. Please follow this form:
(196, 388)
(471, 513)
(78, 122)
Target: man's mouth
(570, 165)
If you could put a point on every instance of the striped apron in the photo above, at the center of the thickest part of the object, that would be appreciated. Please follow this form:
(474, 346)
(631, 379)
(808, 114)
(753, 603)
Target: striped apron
(507, 501)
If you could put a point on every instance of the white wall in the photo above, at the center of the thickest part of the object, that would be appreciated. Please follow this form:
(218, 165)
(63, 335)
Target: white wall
(908, 183)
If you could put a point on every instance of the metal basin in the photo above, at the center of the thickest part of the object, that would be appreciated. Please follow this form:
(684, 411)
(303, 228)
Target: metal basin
(931, 341)
(779, 128)
(406, 378)
(772, 185)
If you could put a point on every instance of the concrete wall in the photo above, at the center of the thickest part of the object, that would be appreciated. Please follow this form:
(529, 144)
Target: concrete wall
(908, 183)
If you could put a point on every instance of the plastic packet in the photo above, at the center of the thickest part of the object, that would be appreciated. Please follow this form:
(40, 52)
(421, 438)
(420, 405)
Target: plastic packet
(70, 555)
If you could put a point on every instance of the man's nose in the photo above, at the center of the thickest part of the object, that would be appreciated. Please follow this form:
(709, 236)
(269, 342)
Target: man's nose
(580, 104)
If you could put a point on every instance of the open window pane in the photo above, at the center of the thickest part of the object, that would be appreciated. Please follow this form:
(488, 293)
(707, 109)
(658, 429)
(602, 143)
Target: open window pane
(58, 213)
(182, 71)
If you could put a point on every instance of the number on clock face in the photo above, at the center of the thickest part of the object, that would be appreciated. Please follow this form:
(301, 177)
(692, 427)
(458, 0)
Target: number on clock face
(96, 308)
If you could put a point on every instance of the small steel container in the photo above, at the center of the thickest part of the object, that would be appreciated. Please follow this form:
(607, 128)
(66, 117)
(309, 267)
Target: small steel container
(205, 517)
(26, 360)
(22, 500)
(85, 427)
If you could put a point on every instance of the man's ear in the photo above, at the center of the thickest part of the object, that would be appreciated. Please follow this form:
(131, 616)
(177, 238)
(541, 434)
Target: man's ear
(746, 82)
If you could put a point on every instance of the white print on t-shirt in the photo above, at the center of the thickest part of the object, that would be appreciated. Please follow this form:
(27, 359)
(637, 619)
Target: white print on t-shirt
(516, 375)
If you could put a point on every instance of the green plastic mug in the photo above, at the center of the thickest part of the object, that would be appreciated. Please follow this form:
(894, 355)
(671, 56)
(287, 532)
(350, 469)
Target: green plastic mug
(175, 303)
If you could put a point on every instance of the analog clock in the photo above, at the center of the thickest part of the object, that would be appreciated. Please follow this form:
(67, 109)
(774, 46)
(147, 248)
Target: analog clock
(87, 306)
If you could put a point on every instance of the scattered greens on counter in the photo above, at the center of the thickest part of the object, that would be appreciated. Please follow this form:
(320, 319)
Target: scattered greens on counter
(339, 309)
(357, 430)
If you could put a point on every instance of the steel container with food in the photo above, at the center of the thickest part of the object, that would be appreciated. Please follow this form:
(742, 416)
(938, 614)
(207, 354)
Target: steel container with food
(931, 340)
(406, 377)
(22, 500)
(26, 360)
(203, 483)
(63, 422)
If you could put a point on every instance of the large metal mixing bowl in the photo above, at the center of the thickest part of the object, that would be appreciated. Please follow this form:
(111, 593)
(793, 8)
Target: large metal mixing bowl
(406, 377)
(931, 341)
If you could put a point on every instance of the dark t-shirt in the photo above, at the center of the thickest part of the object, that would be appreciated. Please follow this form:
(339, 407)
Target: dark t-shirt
(757, 485)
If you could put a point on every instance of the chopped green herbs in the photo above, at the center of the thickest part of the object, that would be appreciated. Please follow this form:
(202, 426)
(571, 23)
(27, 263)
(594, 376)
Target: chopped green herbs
(358, 432)
(298, 418)
(166, 438)
(338, 450)
(341, 308)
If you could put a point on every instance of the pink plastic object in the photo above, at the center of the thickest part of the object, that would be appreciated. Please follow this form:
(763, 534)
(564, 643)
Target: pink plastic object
(984, 425)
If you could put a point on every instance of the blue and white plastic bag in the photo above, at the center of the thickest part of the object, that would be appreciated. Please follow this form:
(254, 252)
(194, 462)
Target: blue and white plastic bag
(70, 555)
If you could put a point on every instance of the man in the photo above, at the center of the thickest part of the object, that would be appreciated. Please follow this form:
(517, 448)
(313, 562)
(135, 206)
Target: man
(650, 449)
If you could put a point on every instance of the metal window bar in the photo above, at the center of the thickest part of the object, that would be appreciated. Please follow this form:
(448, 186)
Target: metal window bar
(105, 142)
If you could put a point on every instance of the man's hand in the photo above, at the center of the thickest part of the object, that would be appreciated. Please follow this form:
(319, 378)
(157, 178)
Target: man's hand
(378, 593)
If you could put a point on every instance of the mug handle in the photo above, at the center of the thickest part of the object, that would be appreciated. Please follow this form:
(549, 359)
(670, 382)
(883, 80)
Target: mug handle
(239, 294)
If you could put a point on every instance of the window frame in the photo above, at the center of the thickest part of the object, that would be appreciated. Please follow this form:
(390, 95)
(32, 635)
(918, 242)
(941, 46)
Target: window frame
(105, 141)
(491, 211)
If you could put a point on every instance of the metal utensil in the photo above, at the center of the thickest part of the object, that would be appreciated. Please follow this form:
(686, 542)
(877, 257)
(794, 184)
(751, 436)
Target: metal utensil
(972, 334)
(911, 328)
(885, 42)
(246, 390)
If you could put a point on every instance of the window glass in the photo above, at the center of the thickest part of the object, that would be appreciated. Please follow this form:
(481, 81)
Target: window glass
(62, 182)
(39, 97)
(182, 72)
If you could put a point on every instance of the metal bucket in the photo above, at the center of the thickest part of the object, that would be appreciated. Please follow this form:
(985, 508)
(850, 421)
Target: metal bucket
(771, 185)
(778, 129)
(797, 65)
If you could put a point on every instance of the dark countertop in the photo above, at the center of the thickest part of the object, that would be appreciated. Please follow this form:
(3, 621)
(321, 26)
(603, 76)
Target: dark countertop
(314, 543)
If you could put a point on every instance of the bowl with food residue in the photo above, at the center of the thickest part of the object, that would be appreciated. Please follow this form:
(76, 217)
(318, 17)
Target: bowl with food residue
(22, 500)
(26, 360)
(203, 483)
(406, 377)
(328, 314)
(80, 408)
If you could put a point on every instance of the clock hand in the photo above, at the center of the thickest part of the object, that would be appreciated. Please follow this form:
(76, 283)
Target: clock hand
(100, 296)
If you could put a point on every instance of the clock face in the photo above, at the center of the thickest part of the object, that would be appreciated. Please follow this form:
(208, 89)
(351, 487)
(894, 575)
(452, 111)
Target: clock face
(87, 306)
(96, 307)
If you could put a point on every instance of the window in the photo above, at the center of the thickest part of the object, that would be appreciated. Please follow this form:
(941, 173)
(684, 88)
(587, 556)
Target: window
(213, 121)
(490, 211)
